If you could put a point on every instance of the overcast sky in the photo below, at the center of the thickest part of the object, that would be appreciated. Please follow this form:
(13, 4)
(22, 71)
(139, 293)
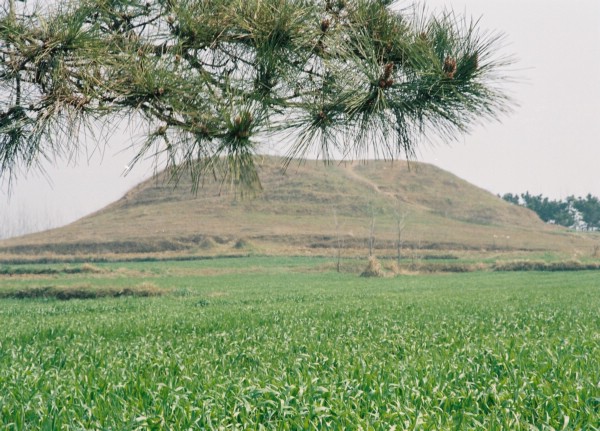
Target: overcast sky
(549, 145)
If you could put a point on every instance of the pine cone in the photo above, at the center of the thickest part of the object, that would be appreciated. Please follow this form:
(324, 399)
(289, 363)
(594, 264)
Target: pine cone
(387, 70)
(450, 67)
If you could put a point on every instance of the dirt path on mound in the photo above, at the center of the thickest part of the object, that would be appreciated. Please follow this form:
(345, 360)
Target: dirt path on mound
(372, 184)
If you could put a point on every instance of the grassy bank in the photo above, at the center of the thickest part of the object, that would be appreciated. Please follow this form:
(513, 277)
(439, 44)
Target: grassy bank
(288, 344)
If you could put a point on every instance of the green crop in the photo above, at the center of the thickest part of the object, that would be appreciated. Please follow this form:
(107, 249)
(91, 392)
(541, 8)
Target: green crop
(267, 344)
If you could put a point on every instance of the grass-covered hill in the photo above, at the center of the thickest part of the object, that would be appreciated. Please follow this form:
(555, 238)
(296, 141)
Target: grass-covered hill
(309, 208)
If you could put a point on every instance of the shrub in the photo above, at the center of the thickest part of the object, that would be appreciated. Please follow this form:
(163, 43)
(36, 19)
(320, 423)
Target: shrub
(207, 243)
(241, 244)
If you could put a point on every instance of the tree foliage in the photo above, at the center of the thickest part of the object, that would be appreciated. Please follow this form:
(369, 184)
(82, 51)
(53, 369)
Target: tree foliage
(589, 208)
(206, 81)
(579, 213)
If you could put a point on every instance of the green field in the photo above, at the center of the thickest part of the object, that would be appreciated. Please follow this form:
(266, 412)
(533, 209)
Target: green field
(284, 343)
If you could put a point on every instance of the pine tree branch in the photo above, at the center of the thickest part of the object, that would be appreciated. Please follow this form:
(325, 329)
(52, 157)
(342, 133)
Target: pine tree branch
(208, 78)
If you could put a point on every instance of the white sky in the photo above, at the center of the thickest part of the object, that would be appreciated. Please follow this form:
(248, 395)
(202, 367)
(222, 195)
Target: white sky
(549, 145)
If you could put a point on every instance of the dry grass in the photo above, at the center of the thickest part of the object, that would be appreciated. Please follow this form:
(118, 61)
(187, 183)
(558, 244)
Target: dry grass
(91, 269)
(295, 215)
(394, 268)
(373, 269)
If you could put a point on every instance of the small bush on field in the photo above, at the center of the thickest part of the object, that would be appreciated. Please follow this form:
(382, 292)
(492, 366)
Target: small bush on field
(241, 244)
(85, 291)
(207, 243)
(373, 269)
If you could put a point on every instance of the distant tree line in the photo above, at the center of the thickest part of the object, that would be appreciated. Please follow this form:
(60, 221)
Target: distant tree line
(582, 213)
